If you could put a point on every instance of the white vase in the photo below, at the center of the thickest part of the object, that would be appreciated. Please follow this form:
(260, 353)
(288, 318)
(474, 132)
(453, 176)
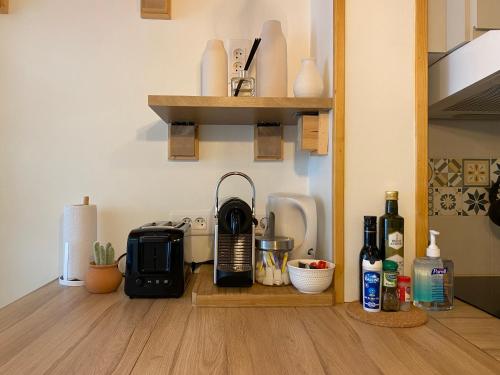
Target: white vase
(271, 61)
(308, 83)
(214, 69)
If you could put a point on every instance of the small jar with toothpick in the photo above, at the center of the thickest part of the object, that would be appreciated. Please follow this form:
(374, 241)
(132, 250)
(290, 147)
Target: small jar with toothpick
(243, 85)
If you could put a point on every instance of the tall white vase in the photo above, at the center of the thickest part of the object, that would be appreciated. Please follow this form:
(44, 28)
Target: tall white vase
(214, 69)
(271, 61)
(308, 82)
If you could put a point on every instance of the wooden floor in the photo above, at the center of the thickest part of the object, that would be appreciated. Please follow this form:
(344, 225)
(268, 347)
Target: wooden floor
(59, 330)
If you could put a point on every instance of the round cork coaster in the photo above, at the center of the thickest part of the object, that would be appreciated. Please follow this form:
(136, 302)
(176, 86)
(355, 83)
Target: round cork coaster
(397, 319)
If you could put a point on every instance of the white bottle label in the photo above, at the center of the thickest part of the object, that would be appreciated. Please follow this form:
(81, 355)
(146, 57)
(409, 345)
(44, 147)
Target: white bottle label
(395, 240)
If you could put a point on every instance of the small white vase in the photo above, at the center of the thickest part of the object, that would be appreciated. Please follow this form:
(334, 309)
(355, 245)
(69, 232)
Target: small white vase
(308, 83)
(214, 69)
(271, 62)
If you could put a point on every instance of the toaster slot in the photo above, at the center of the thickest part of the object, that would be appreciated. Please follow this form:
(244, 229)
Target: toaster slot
(154, 254)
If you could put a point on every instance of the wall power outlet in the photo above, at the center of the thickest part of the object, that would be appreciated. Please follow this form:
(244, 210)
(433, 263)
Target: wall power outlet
(202, 233)
(238, 50)
(201, 221)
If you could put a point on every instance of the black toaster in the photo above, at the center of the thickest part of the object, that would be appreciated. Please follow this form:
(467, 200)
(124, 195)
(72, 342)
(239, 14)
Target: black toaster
(155, 260)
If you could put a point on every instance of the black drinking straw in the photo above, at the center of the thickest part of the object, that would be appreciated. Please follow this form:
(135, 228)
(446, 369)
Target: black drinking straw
(255, 45)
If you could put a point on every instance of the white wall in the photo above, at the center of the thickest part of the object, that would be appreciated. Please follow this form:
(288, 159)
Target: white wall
(380, 127)
(74, 120)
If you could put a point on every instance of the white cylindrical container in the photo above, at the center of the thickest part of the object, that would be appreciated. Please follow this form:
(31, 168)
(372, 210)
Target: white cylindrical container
(308, 83)
(79, 234)
(272, 61)
(214, 69)
(372, 285)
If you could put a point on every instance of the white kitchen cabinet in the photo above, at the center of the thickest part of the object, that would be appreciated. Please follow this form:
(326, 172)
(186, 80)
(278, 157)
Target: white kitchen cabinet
(448, 25)
(484, 16)
(453, 23)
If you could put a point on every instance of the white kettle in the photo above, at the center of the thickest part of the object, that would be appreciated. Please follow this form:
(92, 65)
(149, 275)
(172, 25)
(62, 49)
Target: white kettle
(295, 217)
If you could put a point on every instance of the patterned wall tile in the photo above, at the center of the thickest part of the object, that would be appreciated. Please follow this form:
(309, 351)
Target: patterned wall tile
(430, 201)
(430, 172)
(494, 170)
(440, 165)
(455, 179)
(440, 180)
(475, 201)
(476, 172)
(454, 165)
(447, 201)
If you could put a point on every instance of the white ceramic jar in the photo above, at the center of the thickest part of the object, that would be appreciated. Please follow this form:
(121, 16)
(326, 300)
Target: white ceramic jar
(308, 82)
(272, 61)
(214, 69)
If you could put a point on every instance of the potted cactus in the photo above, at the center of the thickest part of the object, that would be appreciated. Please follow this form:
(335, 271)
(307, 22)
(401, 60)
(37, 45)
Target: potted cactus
(103, 275)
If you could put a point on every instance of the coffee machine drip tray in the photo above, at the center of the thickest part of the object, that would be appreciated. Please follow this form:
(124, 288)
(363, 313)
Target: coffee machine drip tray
(482, 292)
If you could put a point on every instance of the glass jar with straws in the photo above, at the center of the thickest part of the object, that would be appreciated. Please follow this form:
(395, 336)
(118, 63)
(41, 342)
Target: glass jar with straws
(272, 256)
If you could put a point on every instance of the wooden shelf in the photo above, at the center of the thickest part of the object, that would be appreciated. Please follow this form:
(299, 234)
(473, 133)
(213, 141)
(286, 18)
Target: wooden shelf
(210, 110)
(206, 294)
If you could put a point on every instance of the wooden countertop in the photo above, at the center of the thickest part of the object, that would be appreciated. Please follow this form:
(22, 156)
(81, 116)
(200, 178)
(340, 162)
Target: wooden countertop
(64, 330)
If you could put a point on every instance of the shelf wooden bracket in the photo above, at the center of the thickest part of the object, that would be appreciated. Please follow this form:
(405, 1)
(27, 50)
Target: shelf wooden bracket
(313, 133)
(155, 9)
(4, 6)
(183, 142)
(268, 141)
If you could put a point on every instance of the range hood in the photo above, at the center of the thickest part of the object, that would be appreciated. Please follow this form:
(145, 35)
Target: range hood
(466, 83)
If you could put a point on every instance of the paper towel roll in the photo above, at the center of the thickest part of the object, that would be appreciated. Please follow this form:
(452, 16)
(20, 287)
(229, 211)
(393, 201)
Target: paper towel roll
(79, 234)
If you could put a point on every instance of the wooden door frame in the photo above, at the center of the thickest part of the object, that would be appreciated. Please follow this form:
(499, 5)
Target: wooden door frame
(338, 138)
(421, 127)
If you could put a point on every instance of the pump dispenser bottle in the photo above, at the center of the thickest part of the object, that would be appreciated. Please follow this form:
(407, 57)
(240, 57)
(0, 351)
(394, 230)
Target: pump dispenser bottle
(433, 279)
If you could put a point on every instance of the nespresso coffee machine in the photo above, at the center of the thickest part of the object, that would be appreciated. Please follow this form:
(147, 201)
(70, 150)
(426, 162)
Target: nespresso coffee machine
(234, 255)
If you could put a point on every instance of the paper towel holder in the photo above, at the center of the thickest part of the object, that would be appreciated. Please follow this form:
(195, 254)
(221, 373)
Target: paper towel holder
(64, 278)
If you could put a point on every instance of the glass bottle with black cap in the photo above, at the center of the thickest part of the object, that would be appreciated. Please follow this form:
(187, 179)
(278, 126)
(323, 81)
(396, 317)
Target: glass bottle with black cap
(369, 251)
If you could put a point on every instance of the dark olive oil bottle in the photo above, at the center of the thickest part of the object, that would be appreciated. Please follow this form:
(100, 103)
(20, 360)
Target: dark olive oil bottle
(369, 250)
(391, 232)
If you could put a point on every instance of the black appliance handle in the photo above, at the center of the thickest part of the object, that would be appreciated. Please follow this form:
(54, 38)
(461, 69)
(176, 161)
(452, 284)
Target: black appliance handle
(234, 174)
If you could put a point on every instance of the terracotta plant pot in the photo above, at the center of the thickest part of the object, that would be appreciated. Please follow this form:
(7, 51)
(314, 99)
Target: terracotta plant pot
(103, 279)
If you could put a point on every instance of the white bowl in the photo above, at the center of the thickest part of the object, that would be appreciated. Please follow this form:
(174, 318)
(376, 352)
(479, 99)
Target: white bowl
(311, 281)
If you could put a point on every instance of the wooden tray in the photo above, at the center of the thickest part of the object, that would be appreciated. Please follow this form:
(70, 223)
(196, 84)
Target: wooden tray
(206, 294)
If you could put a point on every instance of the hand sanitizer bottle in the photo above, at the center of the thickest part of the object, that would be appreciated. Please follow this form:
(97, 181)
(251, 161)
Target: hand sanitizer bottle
(433, 279)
